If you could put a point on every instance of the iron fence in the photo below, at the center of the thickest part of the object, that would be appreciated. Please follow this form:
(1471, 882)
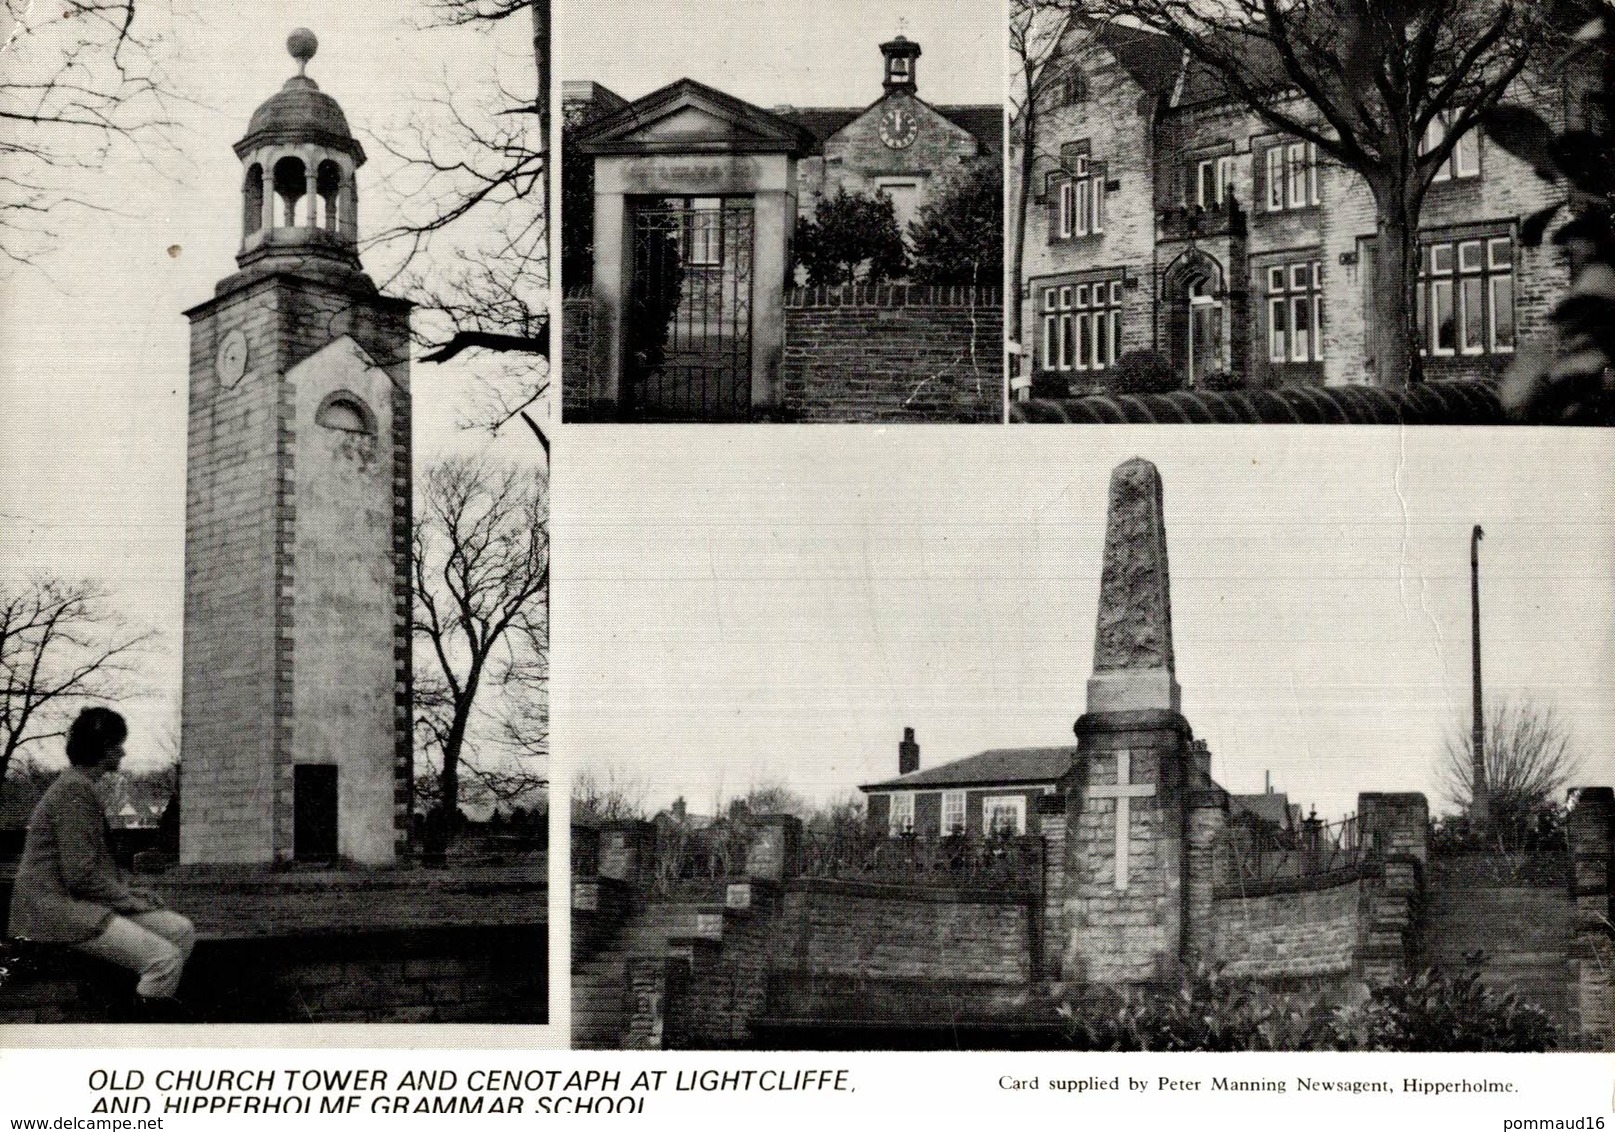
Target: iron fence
(1262, 855)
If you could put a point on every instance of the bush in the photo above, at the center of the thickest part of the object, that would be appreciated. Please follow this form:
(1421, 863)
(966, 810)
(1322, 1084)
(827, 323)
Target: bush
(852, 238)
(1222, 381)
(1426, 1012)
(959, 237)
(1435, 1013)
(1143, 371)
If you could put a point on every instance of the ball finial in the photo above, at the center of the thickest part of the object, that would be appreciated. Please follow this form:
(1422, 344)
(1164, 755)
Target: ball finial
(302, 45)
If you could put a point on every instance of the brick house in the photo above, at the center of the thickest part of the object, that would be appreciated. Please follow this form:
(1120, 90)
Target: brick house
(994, 791)
(1165, 216)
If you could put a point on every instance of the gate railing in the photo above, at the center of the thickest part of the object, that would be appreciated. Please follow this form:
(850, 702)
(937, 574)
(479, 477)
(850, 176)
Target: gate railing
(1261, 855)
(1001, 862)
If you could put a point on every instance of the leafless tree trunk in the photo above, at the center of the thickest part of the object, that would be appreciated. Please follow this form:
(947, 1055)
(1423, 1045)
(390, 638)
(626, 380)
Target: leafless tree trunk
(481, 566)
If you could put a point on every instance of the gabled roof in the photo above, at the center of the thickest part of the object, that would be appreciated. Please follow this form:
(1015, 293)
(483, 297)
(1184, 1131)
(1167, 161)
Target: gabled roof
(736, 126)
(1003, 766)
(1259, 65)
(984, 123)
(1151, 59)
(1275, 809)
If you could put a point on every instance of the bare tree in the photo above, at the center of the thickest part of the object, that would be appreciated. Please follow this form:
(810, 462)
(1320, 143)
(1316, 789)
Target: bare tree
(78, 79)
(482, 170)
(61, 646)
(1386, 90)
(609, 794)
(481, 566)
(1530, 762)
(1038, 31)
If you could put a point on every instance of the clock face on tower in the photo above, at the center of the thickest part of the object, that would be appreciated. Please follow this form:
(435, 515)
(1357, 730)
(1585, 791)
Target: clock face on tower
(231, 361)
(899, 126)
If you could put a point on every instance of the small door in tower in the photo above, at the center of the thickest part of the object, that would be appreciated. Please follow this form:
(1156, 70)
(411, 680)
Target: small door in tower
(314, 812)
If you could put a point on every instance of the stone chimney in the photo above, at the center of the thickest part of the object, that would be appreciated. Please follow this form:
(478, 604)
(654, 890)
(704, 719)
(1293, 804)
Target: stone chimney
(908, 753)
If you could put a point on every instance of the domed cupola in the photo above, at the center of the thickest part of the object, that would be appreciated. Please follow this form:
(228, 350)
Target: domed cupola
(299, 198)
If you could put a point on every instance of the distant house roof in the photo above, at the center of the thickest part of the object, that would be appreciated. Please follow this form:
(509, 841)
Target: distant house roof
(1272, 808)
(1004, 765)
(984, 123)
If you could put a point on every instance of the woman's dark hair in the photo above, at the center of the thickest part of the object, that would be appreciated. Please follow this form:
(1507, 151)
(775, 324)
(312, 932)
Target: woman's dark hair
(95, 732)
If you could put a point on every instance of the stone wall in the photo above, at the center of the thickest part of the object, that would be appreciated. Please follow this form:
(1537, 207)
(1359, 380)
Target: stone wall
(834, 927)
(395, 945)
(1288, 935)
(1510, 911)
(489, 975)
(899, 353)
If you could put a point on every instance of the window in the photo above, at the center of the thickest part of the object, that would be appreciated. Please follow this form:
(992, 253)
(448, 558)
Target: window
(1292, 176)
(1003, 816)
(1073, 88)
(900, 817)
(1214, 181)
(1082, 325)
(1080, 208)
(1465, 299)
(953, 812)
(1463, 161)
(1295, 312)
(705, 236)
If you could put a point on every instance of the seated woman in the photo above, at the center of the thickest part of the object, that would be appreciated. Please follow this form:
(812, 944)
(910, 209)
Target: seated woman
(70, 890)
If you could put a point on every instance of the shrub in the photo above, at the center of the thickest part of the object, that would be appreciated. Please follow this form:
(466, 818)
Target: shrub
(1222, 381)
(1435, 1013)
(1143, 371)
(959, 237)
(1207, 1010)
(851, 238)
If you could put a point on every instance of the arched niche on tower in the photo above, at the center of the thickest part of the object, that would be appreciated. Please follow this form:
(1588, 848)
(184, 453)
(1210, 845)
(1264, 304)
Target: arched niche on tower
(290, 184)
(252, 201)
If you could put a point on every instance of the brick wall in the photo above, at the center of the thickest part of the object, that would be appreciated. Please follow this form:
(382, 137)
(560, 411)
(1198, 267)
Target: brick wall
(577, 320)
(892, 354)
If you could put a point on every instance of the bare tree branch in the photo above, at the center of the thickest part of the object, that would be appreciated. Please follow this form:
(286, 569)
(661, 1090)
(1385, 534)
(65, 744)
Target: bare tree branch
(78, 81)
(60, 647)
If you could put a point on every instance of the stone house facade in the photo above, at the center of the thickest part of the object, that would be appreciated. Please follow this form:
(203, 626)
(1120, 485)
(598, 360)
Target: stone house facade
(1164, 216)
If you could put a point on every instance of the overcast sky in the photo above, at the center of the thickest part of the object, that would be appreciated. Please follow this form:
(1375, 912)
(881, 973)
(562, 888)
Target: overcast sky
(796, 52)
(93, 344)
(742, 606)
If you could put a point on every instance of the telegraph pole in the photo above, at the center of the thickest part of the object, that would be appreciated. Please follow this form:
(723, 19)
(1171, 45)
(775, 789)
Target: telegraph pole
(1480, 802)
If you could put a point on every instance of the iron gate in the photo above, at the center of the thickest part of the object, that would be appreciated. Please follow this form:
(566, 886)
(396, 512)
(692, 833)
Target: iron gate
(688, 337)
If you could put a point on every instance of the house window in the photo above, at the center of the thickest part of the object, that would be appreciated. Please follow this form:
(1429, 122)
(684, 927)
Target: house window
(1081, 201)
(953, 812)
(705, 239)
(1292, 176)
(900, 817)
(1465, 299)
(1463, 161)
(1004, 816)
(1073, 88)
(1082, 325)
(1295, 312)
(1214, 180)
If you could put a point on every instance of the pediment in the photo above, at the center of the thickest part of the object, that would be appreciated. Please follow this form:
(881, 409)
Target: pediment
(690, 117)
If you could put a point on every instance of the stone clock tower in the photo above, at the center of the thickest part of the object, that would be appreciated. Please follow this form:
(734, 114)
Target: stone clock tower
(295, 732)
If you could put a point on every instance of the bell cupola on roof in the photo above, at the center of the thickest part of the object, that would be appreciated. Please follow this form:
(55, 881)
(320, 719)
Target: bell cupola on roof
(900, 54)
(299, 197)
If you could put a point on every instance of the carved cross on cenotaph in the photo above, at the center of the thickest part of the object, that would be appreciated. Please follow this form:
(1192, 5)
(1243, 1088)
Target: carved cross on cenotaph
(1124, 790)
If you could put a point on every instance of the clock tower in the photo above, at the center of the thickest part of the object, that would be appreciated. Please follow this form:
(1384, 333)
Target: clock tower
(295, 719)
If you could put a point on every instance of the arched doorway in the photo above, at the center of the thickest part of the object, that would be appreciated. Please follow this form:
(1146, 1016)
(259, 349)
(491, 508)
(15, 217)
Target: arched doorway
(1206, 330)
(1196, 308)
